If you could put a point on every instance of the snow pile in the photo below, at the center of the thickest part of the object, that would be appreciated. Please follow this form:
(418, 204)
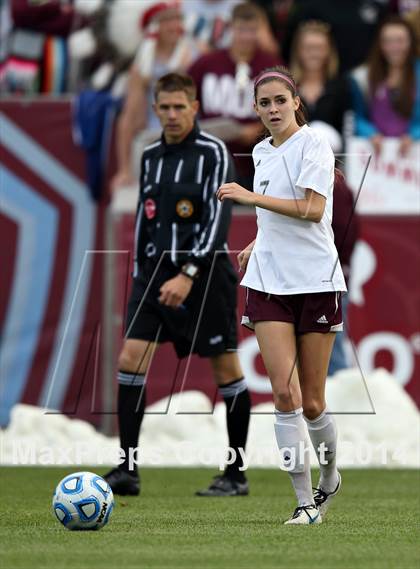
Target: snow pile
(378, 425)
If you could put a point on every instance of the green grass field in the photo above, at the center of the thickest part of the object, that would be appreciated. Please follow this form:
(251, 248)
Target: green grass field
(373, 523)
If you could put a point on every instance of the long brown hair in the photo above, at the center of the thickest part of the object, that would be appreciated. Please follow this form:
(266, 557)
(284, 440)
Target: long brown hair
(378, 68)
(314, 27)
(300, 113)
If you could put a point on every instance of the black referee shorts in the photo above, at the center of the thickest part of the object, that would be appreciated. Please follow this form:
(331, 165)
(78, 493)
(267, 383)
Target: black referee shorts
(205, 324)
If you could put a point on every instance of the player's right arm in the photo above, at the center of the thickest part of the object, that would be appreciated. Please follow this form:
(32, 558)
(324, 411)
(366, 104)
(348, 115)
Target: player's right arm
(131, 120)
(244, 256)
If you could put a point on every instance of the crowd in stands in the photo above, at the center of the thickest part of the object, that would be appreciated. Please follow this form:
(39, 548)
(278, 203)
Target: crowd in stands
(362, 55)
(357, 65)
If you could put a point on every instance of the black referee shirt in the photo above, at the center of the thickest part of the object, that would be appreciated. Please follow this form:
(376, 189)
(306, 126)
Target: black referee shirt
(178, 214)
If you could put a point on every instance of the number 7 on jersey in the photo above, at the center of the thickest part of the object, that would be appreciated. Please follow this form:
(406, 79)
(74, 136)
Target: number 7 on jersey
(264, 184)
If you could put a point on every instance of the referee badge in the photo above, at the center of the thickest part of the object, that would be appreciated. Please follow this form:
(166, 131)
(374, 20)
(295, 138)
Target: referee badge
(150, 208)
(184, 208)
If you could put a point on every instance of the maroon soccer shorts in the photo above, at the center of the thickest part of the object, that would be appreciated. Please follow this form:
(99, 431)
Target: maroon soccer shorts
(310, 312)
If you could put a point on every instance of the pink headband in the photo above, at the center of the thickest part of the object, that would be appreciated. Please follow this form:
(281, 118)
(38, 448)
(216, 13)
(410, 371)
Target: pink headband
(275, 74)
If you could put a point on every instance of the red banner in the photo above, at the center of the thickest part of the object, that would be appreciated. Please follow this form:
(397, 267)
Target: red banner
(383, 315)
(385, 299)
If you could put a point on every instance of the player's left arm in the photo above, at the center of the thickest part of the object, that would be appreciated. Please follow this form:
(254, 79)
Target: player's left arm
(310, 208)
(316, 178)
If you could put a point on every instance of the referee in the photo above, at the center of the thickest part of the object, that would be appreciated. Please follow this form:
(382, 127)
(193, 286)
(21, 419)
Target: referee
(184, 286)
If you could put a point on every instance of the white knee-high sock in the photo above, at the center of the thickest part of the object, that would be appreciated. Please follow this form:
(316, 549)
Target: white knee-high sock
(323, 430)
(292, 440)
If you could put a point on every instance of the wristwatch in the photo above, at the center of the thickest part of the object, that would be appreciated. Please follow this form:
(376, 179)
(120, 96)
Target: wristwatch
(190, 270)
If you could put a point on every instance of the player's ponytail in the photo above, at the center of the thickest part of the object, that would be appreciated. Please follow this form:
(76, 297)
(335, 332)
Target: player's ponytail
(300, 114)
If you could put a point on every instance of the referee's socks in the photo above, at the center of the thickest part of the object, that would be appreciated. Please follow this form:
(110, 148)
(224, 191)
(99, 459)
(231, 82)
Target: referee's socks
(238, 409)
(131, 406)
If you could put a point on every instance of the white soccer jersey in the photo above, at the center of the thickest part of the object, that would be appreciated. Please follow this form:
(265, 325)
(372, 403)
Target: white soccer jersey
(290, 255)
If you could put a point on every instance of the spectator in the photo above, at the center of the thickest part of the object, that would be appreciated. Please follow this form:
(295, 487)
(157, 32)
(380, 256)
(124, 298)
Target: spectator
(165, 49)
(267, 40)
(352, 24)
(47, 16)
(35, 58)
(224, 81)
(410, 11)
(314, 64)
(277, 13)
(207, 21)
(386, 91)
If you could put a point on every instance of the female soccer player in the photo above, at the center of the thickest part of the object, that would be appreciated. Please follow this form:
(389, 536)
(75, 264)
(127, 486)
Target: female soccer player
(294, 283)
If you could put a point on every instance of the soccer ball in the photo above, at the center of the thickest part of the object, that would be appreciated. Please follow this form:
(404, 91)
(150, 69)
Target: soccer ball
(83, 500)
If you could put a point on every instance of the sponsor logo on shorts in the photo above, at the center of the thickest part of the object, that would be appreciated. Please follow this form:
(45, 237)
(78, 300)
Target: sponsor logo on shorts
(215, 340)
(322, 320)
(184, 208)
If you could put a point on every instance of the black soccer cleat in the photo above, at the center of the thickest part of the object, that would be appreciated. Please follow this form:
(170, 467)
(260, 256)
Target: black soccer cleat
(224, 486)
(323, 499)
(122, 482)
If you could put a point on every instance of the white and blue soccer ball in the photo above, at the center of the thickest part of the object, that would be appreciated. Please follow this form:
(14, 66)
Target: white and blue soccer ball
(83, 501)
